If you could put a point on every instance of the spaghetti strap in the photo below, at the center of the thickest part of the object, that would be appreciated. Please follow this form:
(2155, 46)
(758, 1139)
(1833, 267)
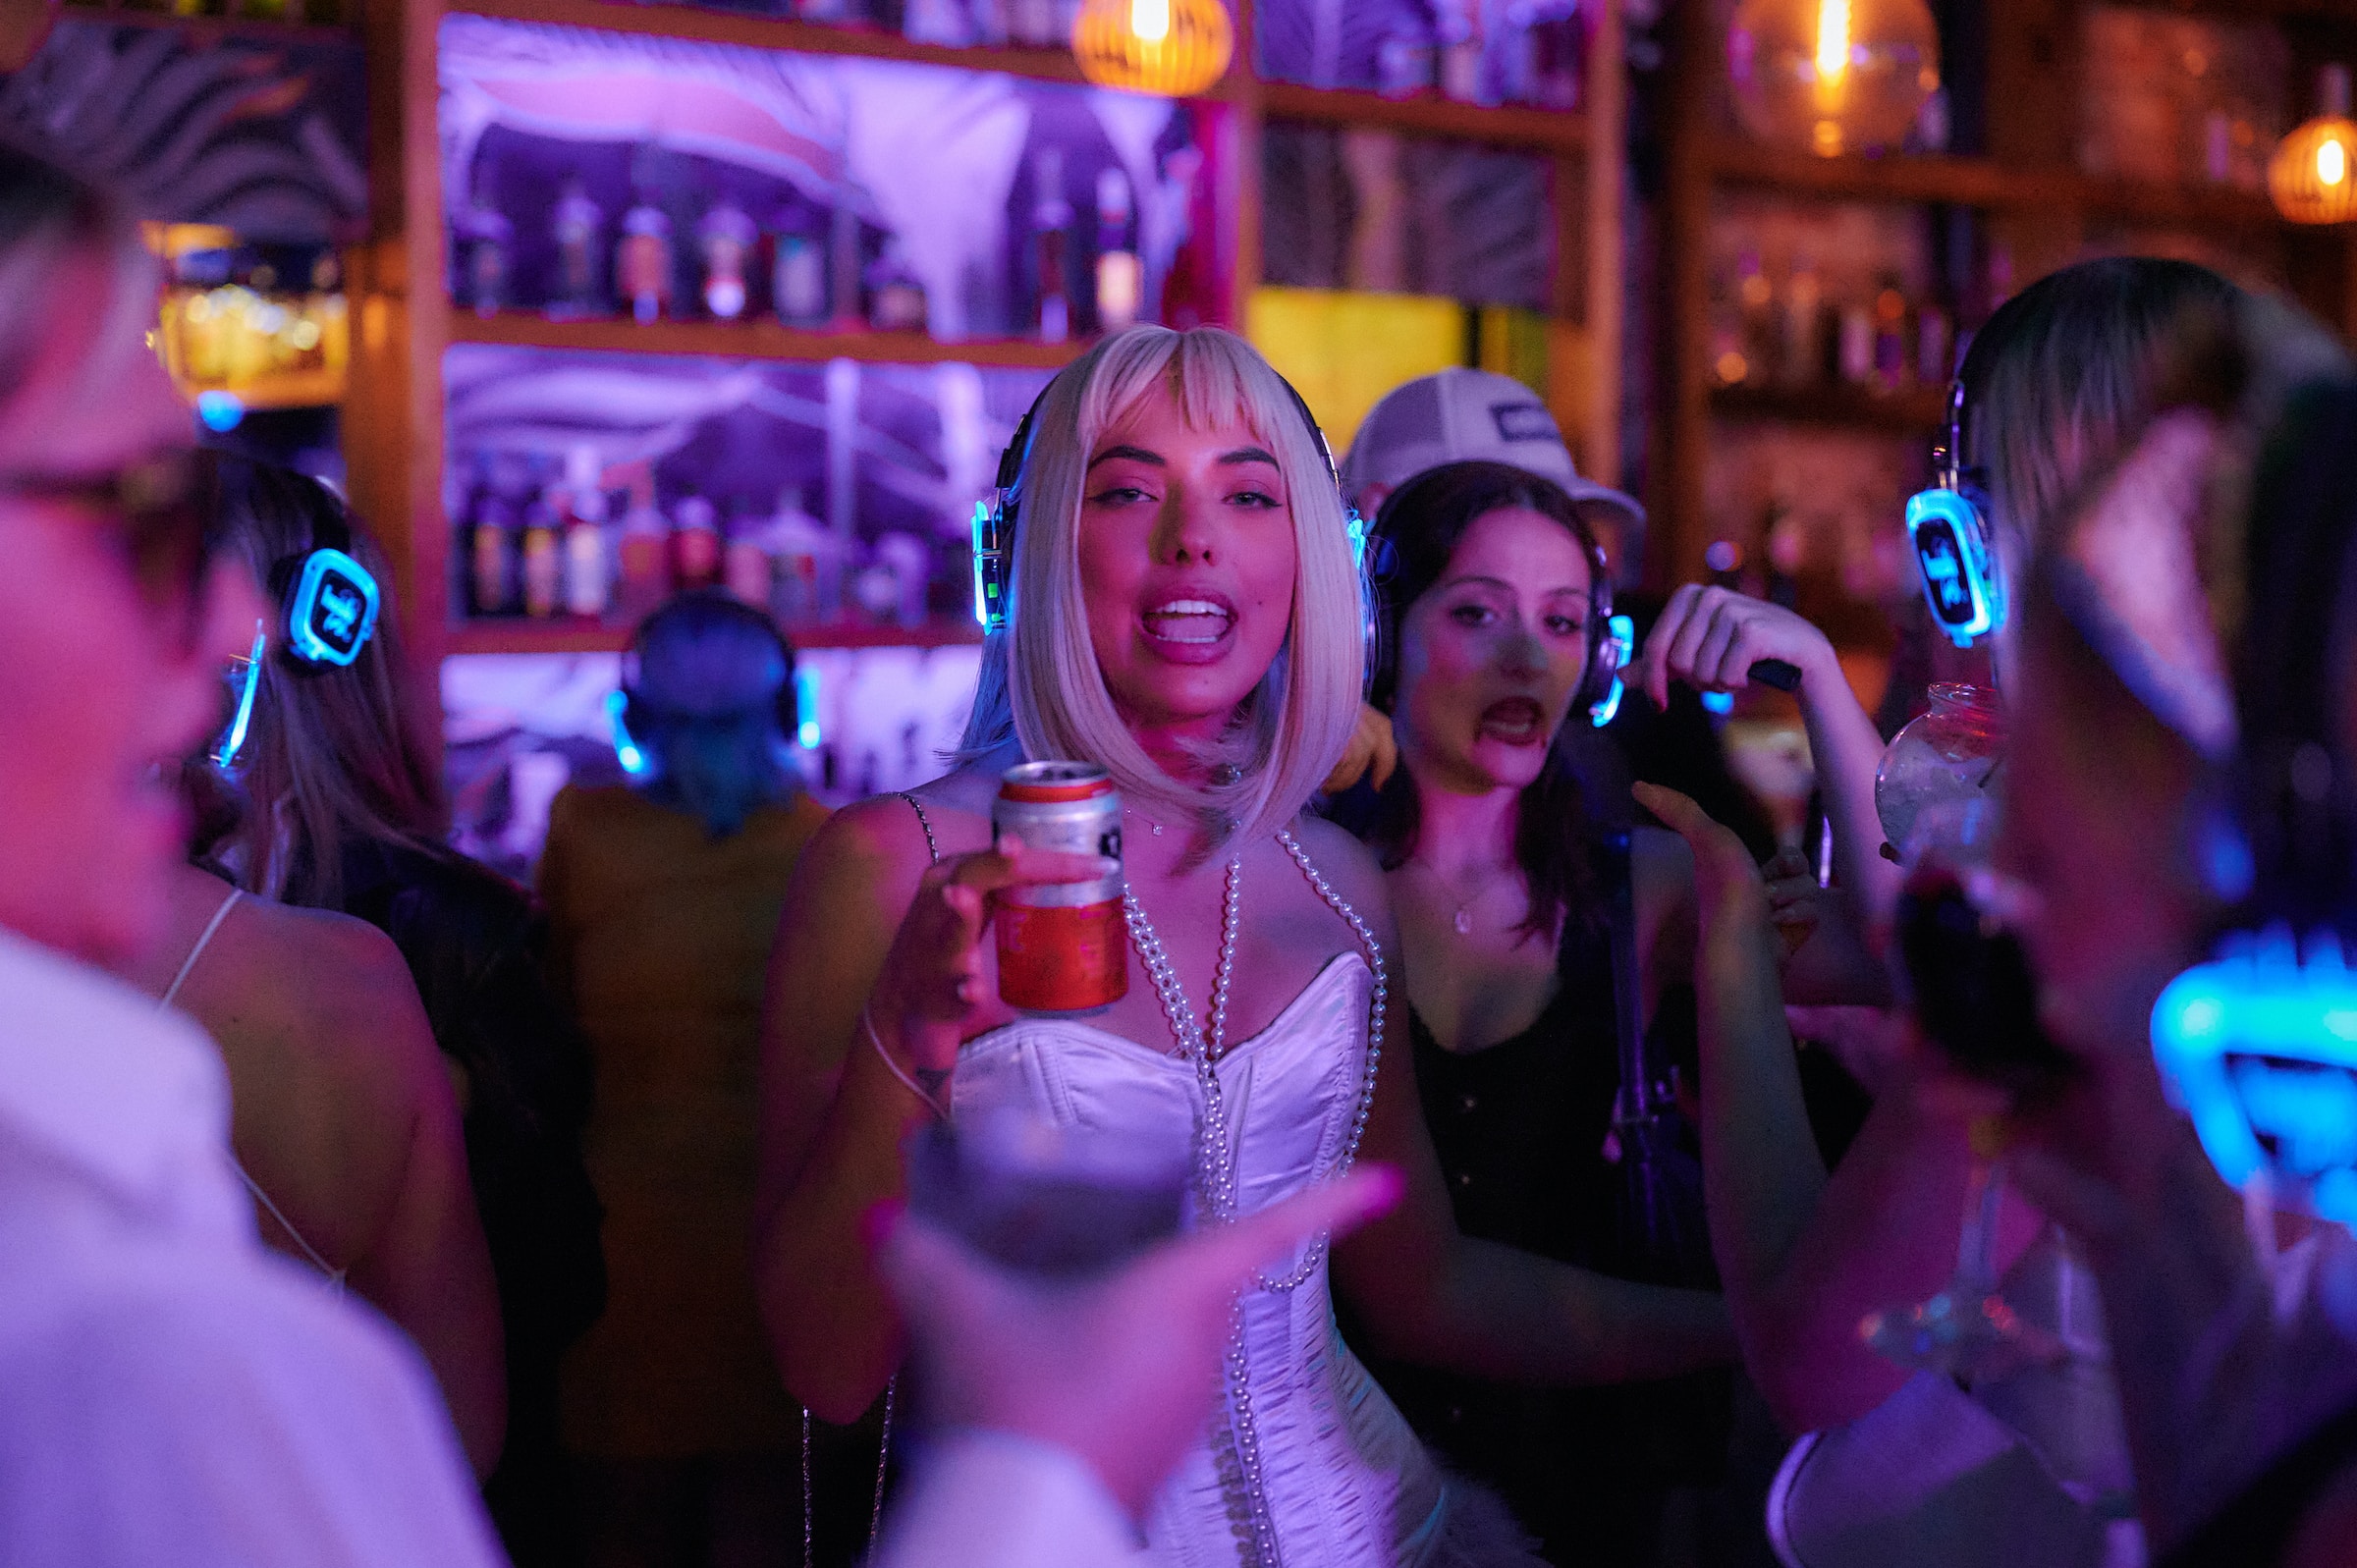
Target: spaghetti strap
(335, 1275)
(931, 847)
(188, 965)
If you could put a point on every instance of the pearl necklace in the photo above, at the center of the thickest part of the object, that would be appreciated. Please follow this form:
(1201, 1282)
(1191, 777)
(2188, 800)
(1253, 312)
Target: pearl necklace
(1238, 1457)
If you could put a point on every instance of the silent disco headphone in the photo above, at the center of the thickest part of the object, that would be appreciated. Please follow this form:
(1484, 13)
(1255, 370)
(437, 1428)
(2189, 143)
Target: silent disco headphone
(995, 518)
(328, 599)
(1955, 550)
(632, 715)
(2259, 1046)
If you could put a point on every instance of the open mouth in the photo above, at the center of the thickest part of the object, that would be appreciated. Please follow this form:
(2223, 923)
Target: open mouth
(1516, 721)
(1189, 622)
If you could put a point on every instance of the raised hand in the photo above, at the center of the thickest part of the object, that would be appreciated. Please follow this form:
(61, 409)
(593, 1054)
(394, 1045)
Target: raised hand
(1710, 639)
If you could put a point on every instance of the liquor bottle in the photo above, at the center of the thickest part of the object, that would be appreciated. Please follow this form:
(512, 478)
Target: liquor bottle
(491, 552)
(801, 546)
(1051, 217)
(1459, 28)
(1801, 360)
(588, 578)
(577, 227)
(1758, 301)
(643, 554)
(1120, 274)
(1856, 350)
(726, 237)
(896, 297)
(484, 241)
(543, 560)
(845, 263)
(643, 262)
(797, 277)
(746, 566)
(1034, 23)
(1893, 367)
(694, 545)
(1935, 345)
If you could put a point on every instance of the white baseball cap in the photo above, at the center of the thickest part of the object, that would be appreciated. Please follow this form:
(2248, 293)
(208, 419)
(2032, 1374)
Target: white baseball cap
(1467, 415)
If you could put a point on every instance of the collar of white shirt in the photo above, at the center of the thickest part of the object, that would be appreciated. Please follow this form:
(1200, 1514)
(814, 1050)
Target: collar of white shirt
(130, 1097)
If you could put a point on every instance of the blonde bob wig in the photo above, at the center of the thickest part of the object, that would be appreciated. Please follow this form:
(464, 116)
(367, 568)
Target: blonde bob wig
(1040, 684)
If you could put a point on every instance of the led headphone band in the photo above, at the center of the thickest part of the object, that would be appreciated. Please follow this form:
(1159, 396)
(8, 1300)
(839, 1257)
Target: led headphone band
(1949, 461)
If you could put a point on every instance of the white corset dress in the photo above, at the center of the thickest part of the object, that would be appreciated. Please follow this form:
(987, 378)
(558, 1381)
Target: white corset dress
(1348, 1483)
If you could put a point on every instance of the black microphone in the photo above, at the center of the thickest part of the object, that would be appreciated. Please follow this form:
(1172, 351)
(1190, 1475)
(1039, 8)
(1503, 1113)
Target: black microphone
(1777, 674)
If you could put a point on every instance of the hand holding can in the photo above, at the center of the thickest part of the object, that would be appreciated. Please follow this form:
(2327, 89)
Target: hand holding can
(1064, 948)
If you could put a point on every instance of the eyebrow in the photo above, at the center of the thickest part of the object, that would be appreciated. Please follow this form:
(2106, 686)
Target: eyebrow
(1479, 580)
(1240, 455)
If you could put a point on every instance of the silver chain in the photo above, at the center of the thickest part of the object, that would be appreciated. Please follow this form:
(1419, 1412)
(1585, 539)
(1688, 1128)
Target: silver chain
(1237, 1454)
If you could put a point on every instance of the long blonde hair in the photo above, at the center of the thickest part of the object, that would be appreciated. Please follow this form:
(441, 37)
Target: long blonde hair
(1040, 684)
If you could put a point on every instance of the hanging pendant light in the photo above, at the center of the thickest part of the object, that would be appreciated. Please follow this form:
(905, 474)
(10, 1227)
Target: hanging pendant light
(1832, 76)
(1176, 48)
(2313, 175)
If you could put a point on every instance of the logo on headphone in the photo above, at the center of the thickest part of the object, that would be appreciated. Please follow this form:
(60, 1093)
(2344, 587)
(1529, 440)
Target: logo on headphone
(333, 610)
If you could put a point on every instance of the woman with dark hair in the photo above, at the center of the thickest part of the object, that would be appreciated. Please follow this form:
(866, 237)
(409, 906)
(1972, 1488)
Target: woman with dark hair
(1512, 900)
(663, 895)
(345, 812)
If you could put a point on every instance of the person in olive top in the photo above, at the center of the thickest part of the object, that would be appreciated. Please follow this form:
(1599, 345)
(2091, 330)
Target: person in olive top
(663, 895)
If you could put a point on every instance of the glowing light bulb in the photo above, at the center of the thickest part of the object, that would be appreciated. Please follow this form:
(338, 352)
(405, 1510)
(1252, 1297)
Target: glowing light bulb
(1833, 42)
(1150, 19)
(1831, 77)
(2331, 163)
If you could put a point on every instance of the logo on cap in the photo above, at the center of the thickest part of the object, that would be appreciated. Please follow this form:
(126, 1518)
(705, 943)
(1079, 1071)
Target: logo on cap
(1524, 421)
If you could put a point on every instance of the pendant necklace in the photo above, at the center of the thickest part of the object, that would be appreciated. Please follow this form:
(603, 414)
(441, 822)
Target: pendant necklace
(1463, 920)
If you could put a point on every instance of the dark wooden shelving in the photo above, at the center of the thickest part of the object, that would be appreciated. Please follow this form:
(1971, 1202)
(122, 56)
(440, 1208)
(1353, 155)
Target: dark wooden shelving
(773, 32)
(261, 29)
(1429, 114)
(752, 340)
(1911, 411)
(1980, 182)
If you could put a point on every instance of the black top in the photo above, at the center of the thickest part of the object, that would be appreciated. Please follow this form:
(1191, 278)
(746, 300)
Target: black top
(1521, 1130)
(474, 941)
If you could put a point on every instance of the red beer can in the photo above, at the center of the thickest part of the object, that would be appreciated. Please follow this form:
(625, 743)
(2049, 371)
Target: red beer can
(1063, 946)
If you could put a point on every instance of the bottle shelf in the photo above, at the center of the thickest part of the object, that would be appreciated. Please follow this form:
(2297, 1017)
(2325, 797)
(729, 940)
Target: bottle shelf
(211, 28)
(1429, 114)
(751, 340)
(706, 25)
(559, 635)
(1915, 411)
(1982, 182)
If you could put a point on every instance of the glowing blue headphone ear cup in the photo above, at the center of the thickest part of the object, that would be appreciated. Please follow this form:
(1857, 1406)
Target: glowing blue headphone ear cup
(332, 610)
(1614, 651)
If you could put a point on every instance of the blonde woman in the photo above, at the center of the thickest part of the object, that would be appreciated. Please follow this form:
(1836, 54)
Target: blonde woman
(1185, 612)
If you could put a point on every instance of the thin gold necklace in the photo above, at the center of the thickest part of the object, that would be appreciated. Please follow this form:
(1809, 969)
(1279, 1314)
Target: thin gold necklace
(1463, 920)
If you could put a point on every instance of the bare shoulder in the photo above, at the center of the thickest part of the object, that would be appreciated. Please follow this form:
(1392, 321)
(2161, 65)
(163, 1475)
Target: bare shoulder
(332, 980)
(882, 846)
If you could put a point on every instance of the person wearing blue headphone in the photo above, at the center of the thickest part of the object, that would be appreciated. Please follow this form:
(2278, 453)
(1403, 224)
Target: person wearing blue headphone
(663, 892)
(2181, 813)
(2054, 384)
